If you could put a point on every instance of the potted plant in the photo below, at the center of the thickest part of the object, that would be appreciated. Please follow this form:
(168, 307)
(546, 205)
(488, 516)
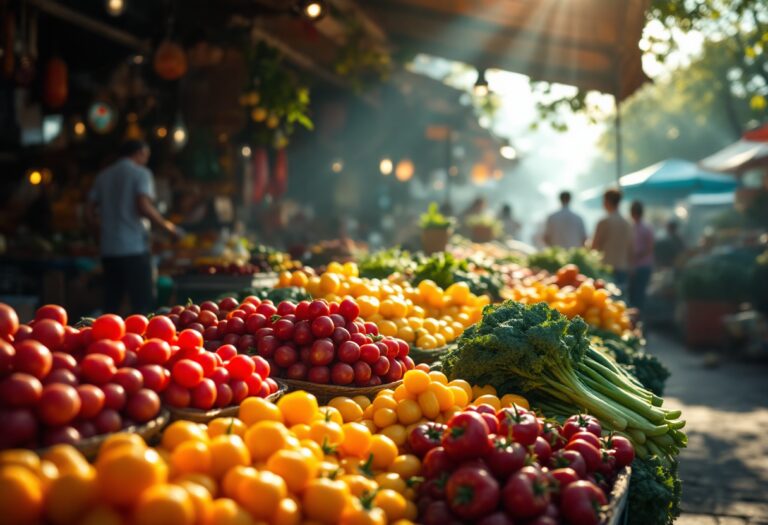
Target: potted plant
(484, 228)
(436, 229)
(711, 288)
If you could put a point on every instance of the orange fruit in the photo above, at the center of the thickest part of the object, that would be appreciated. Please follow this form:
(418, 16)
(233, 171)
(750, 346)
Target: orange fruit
(298, 407)
(329, 413)
(296, 468)
(21, 496)
(357, 440)
(429, 405)
(228, 425)
(408, 411)
(102, 515)
(384, 451)
(326, 433)
(349, 409)
(226, 511)
(163, 504)
(356, 514)
(227, 451)
(392, 481)
(233, 477)
(358, 484)
(265, 438)
(207, 482)
(396, 433)
(324, 500)
(384, 401)
(180, 431)
(21, 457)
(261, 495)
(287, 513)
(69, 460)
(392, 503)
(384, 417)
(443, 395)
(459, 396)
(127, 472)
(406, 466)
(69, 496)
(191, 457)
(201, 500)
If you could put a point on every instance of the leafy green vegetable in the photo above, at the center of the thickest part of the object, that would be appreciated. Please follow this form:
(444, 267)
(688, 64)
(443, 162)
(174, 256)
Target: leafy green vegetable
(382, 264)
(434, 219)
(630, 354)
(533, 349)
(726, 277)
(440, 268)
(654, 492)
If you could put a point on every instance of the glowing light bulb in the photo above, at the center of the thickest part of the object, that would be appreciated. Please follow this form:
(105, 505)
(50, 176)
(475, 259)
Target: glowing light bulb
(386, 166)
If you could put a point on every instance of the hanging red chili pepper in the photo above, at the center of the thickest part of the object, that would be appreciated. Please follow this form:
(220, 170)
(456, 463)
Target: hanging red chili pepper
(55, 83)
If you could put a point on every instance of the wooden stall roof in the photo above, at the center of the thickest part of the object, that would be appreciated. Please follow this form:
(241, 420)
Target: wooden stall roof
(592, 44)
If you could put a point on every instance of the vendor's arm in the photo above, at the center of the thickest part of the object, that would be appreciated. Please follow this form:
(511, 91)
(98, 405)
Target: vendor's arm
(597, 240)
(148, 210)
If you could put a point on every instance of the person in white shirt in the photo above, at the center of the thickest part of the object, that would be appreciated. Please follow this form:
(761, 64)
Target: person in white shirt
(565, 228)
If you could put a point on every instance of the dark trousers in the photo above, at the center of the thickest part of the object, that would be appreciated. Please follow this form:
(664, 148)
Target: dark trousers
(638, 284)
(129, 275)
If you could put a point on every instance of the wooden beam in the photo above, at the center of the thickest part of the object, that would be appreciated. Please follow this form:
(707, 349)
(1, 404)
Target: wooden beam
(67, 14)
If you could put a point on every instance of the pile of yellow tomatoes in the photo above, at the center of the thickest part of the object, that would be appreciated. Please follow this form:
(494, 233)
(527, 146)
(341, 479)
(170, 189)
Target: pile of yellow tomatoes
(425, 316)
(279, 464)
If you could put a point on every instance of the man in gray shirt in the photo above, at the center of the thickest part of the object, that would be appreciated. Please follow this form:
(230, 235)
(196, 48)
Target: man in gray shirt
(564, 228)
(122, 200)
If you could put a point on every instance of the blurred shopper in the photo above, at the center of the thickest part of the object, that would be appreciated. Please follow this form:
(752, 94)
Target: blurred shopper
(564, 228)
(510, 226)
(121, 199)
(670, 248)
(642, 257)
(613, 238)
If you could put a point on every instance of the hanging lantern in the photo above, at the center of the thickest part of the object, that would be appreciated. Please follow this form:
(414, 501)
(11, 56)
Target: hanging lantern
(280, 174)
(404, 170)
(479, 173)
(55, 83)
(260, 173)
(170, 61)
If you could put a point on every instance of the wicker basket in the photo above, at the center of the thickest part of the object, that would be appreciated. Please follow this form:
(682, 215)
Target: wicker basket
(197, 415)
(325, 393)
(419, 355)
(617, 503)
(90, 446)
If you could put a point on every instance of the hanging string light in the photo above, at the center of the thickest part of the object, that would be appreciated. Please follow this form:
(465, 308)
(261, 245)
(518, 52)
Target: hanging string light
(404, 170)
(312, 9)
(386, 166)
(115, 7)
(481, 88)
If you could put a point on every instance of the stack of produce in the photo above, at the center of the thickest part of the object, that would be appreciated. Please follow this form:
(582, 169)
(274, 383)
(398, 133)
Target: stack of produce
(269, 259)
(538, 351)
(426, 316)
(61, 384)
(502, 467)
(588, 261)
(587, 299)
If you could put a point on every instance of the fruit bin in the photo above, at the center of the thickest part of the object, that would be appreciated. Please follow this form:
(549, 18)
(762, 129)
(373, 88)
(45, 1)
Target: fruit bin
(420, 355)
(324, 393)
(90, 446)
(616, 512)
(200, 287)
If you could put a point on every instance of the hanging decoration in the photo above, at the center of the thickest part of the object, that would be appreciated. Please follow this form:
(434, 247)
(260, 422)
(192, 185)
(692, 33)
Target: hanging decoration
(362, 60)
(55, 83)
(280, 174)
(102, 117)
(404, 170)
(260, 173)
(133, 131)
(274, 100)
(170, 61)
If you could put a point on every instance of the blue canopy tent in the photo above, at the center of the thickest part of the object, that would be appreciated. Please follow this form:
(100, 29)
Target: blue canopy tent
(665, 182)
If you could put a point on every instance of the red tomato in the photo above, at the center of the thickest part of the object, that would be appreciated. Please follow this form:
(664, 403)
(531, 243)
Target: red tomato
(623, 449)
(239, 390)
(19, 427)
(267, 345)
(425, 437)
(108, 421)
(349, 309)
(73, 340)
(108, 326)
(395, 372)
(499, 518)
(32, 358)
(228, 303)
(143, 405)
(190, 339)
(581, 422)
(154, 377)
(563, 477)
(436, 462)
(154, 351)
(472, 493)
(588, 437)
(284, 329)
(552, 432)
(254, 384)
(297, 371)
(318, 308)
(519, 425)
(187, 373)
(7, 354)
(505, 457)
(92, 400)
(160, 327)
(223, 395)
(569, 459)
(177, 396)
(52, 311)
(467, 436)
(114, 349)
(526, 494)
(114, 396)
(342, 374)
(363, 373)
(49, 332)
(226, 352)
(98, 368)
(369, 353)
(322, 352)
(371, 328)
(267, 309)
(61, 375)
(132, 341)
(581, 502)
(61, 435)
(129, 378)
(9, 321)
(136, 324)
(589, 452)
(241, 367)
(59, 404)
(322, 326)
(20, 390)
(285, 356)
(319, 374)
(340, 335)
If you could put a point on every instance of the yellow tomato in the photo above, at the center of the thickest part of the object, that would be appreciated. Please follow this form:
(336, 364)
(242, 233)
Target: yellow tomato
(393, 504)
(408, 411)
(329, 413)
(350, 269)
(324, 500)
(162, 504)
(294, 467)
(362, 401)
(391, 481)
(507, 400)
(255, 409)
(287, 513)
(299, 279)
(201, 500)
(226, 511)
(406, 466)
(388, 328)
(406, 333)
(459, 396)
(191, 457)
(234, 477)
(357, 440)
(125, 473)
(348, 409)
(443, 394)
(402, 393)
(329, 283)
(326, 433)
(265, 438)
(368, 304)
(69, 496)
(416, 381)
(384, 417)
(180, 431)
(21, 496)
(384, 451)
(298, 407)
(438, 377)
(227, 451)
(396, 433)
(488, 399)
(358, 484)
(261, 495)
(227, 425)
(429, 404)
